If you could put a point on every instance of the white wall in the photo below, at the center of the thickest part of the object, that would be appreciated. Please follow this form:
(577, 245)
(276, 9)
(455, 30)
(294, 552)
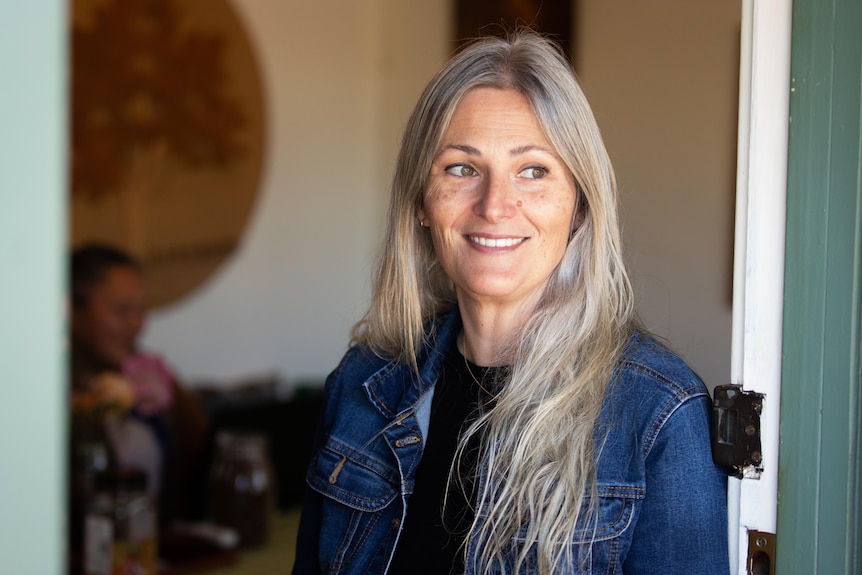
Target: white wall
(340, 79)
(662, 77)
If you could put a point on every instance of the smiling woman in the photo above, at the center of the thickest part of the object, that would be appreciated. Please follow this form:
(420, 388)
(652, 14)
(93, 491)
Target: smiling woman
(502, 410)
(499, 205)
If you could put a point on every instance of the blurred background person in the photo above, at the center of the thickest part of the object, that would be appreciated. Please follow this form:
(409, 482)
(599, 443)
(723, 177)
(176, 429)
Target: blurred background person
(126, 396)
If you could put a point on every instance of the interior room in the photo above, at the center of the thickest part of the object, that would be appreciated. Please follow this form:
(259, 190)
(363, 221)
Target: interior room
(257, 233)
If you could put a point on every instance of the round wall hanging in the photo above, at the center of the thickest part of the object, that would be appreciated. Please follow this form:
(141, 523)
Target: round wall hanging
(167, 134)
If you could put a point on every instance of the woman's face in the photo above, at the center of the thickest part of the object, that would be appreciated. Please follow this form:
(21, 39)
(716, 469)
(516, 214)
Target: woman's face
(499, 201)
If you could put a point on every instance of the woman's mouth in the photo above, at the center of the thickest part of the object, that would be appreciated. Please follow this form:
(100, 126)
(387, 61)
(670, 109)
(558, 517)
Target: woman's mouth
(495, 242)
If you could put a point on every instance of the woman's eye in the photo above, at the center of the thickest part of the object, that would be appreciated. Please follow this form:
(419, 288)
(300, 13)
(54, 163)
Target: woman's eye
(534, 172)
(461, 170)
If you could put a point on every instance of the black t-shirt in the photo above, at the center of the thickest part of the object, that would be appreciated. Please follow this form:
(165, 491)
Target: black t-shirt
(431, 542)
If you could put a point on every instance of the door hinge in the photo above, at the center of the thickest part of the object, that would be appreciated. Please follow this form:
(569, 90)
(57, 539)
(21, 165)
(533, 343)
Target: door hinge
(736, 430)
(761, 553)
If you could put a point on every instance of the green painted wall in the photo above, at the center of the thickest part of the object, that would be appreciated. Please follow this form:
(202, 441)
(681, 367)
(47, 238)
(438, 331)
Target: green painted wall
(819, 496)
(32, 248)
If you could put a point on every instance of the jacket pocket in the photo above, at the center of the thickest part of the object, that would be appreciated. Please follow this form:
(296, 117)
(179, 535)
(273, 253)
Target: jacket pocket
(351, 478)
(616, 513)
(599, 543)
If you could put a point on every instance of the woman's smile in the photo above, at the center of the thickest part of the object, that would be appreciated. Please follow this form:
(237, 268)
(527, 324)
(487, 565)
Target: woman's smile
(490, 242)
(499, 201)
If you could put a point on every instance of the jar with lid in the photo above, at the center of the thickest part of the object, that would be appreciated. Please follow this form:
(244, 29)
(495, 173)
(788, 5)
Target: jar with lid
(120, 526)
(242, 486)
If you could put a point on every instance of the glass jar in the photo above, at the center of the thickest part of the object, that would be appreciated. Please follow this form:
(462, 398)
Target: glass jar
(87, 457)
(242, 486)
(120, 526)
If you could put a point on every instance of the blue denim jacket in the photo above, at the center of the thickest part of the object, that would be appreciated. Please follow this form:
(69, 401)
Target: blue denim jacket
(663, 501)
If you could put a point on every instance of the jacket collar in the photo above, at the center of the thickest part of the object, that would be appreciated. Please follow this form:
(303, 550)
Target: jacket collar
(395, 387)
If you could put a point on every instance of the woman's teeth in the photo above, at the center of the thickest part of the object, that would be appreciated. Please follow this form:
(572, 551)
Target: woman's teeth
(496, 242)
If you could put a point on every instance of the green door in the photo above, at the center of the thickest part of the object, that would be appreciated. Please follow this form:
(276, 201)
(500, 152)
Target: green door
(798, 283)
(819, 493)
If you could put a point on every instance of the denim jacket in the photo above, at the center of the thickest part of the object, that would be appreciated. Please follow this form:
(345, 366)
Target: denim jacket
(662, 500)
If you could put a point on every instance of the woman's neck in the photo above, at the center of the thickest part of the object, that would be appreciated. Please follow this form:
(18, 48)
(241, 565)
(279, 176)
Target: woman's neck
(489, 329)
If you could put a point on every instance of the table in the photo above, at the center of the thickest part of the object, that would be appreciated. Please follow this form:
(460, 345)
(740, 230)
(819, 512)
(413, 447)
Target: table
(274, 558)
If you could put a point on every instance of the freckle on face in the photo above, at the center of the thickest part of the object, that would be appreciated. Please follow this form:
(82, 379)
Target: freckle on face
(440, 194)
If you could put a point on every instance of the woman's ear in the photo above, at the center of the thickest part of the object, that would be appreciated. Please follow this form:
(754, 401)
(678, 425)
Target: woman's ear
(420, 217)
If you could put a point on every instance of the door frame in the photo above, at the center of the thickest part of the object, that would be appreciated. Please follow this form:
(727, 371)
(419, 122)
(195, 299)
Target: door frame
(798, 281)
(759, 254)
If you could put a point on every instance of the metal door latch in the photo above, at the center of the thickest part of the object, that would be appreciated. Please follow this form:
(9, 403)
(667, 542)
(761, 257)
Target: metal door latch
(736, 430)
(761, 553)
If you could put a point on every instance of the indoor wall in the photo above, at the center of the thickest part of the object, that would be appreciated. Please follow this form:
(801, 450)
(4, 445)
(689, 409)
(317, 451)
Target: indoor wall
(662, 77)
(340, 78)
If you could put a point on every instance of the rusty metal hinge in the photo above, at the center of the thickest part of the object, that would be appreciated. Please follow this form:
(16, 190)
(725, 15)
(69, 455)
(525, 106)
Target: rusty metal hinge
(736, 430)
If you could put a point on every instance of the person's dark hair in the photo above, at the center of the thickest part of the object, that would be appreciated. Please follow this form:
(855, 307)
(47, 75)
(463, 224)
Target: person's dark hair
(88, 266)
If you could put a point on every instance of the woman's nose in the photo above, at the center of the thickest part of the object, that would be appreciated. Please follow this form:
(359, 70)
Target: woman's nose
(497, 199)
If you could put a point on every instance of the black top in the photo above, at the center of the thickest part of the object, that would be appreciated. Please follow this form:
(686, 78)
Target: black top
(431, 541)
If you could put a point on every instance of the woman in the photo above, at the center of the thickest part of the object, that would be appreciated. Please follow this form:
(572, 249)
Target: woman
(501, 411)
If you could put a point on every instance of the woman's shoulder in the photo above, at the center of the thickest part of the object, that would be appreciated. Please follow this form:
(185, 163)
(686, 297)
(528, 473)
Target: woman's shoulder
(651, 386)
(650, 366)
(653, 390)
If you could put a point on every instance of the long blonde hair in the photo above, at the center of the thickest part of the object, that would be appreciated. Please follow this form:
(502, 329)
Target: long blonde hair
(538, 458)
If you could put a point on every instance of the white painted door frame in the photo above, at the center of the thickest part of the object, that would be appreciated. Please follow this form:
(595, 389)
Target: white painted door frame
(764, 101)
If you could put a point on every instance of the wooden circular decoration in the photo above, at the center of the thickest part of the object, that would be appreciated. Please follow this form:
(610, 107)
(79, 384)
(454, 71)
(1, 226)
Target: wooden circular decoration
(167, 134)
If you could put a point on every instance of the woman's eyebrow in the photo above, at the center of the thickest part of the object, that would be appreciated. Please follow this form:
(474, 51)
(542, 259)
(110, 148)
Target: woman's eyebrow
(530, 148)
(467, 149)
(461, 147)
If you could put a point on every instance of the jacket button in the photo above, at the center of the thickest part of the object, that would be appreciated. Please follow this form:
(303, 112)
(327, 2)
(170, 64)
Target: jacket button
(409, 440)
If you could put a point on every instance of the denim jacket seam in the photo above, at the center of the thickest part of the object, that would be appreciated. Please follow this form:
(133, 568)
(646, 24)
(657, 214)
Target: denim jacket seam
(620, 523)
(327, 490)
(364, 536)
(409, 472)
(679, 390)
(681, 396)
(620, 490)
(658, 423)
(344, 545)
(370, 385)
(613, 558)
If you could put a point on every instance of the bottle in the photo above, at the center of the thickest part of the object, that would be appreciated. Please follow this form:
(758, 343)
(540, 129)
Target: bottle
(120, 526)
(242, 486)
